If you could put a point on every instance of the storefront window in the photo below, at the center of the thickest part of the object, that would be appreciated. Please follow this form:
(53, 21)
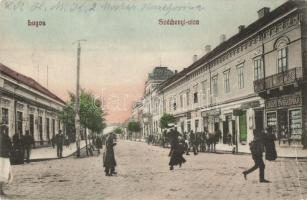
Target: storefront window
(272, 120)
(189, 126)
(295, 124)
(5, 116)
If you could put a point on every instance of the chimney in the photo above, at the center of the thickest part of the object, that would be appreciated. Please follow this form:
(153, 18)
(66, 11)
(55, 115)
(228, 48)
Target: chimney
(207, 48)
(263, 12)
(176, 71)
(241, 27)
(194, 58)
(222, 38)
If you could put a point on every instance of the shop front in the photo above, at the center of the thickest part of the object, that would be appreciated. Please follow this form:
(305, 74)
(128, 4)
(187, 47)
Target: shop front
(250, 116)
(284, 116)
(211, 119)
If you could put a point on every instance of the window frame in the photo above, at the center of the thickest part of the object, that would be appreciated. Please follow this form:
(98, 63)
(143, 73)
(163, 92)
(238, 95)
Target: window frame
(226, 74)
(258, 68)
(240, 75)
(215, 85)
(284, 59)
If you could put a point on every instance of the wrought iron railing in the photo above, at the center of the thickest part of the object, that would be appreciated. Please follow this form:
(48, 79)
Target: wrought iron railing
(284, 78)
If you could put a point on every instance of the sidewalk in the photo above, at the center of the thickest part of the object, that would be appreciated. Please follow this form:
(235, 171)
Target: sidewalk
(283, 152)
(47, 153)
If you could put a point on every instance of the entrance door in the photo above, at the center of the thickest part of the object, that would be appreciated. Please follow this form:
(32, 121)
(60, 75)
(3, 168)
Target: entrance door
(234, 133)
(259, 119)
(31, 123)
(225, 130)
(282, 122)
(243, 127)
(40, 130)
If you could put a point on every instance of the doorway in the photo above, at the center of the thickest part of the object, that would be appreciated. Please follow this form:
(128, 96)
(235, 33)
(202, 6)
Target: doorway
(225, 130)
(259, 124)
(243, 127)
(31, 123)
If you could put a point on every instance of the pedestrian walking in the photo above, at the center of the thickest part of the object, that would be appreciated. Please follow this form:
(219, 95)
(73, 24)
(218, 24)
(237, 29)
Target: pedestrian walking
(59, 141)
(109, 161)
(5, 153)
(28, 143)
(176, 153)
(269, 144)
(193, 142)
(257, 149)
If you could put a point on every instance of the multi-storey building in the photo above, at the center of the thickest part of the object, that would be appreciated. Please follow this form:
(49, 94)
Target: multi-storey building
(255, 79)
(26, 105)
(150, 107)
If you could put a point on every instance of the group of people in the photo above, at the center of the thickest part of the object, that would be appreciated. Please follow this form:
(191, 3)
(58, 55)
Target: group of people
(264, 141)
(21, 147)
(199, 141)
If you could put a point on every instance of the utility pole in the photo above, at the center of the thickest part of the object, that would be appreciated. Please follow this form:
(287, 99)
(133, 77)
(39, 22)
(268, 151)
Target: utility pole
(77, 108)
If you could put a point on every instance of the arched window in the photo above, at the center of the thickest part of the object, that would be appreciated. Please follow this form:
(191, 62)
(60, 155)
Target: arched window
(281, 45)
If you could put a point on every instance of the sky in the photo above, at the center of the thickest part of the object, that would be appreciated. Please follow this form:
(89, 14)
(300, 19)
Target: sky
(124, 41)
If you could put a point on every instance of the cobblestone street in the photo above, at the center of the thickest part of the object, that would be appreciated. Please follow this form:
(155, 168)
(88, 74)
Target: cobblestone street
(143, 173)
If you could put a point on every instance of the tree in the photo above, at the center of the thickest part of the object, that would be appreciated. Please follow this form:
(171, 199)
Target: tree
(92, 115)
(166, 119)
(118, 130)
(134, 127)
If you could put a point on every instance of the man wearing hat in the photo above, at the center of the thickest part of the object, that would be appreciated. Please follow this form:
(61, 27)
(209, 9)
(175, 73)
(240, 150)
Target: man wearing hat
(109, 161)
(59, 141)
(257, 149)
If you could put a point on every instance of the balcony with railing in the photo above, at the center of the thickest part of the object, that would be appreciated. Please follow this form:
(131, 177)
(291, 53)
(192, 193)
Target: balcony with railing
(288, 77)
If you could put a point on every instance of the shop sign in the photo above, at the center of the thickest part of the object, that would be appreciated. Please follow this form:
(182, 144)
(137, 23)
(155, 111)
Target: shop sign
(286, 101)
(212, 112)
(252, 104)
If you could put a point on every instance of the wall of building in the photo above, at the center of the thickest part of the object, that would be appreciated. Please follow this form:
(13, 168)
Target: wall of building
(25, 100)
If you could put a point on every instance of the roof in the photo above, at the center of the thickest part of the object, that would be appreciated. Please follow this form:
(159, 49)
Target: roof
(160, 73)
(246, 32)
(28, 81)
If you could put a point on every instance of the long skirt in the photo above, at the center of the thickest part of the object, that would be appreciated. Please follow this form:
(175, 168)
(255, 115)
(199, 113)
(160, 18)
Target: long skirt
(177, 155)
(6, 175)
(109, 158)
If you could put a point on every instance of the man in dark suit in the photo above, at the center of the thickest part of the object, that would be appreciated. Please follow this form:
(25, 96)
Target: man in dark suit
(59, 141)
(28, 143)
(257, 149)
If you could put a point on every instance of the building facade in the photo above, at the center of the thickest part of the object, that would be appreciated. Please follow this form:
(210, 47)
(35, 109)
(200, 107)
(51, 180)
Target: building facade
(253, 80)
(25, 105)
(150, 108)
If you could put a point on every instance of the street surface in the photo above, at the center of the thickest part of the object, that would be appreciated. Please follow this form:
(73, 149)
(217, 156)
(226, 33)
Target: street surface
(143, 173)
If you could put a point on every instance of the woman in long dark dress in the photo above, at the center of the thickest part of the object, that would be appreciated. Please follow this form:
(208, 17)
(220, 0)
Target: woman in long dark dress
(176, 154)
(109, 161)
(269, 144)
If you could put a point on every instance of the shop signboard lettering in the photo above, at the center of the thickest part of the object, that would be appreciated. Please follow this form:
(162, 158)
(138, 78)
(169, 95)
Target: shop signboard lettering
(213, 112)
(287, 101)
(252, 104)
